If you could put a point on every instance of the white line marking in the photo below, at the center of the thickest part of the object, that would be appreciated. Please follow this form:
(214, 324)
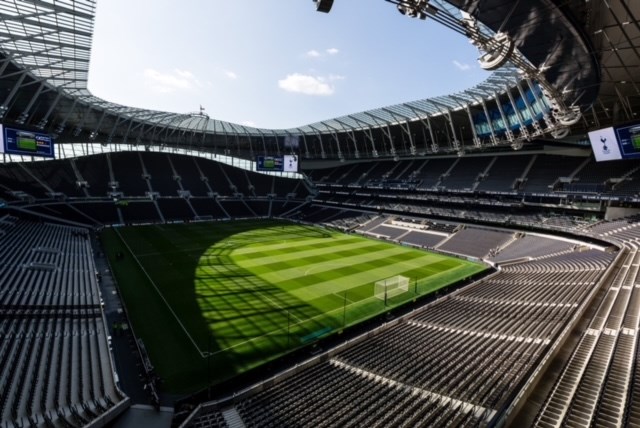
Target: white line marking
(159, 293)
(160, 253)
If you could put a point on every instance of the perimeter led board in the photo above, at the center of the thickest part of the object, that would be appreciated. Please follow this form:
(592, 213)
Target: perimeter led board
(25, 143)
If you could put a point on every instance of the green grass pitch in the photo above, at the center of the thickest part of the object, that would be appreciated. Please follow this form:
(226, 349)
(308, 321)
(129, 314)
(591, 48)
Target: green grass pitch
(211, 300)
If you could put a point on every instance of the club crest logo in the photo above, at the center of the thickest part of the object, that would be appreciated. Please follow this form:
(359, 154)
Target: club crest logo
(605, 148)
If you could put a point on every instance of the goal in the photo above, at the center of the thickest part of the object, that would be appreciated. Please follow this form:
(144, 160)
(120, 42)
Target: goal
(390, 287)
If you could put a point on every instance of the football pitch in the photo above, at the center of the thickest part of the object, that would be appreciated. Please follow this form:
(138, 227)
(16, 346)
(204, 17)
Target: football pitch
(211, 300)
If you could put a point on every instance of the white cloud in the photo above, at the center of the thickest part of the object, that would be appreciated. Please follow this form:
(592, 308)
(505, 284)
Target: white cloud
(230, 74)
(317, 54)
(334, 77)
(461, 66)
(170, 82)
(184, 74)
(305, 84)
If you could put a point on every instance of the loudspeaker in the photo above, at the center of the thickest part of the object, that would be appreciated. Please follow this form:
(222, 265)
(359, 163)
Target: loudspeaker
(323, 5)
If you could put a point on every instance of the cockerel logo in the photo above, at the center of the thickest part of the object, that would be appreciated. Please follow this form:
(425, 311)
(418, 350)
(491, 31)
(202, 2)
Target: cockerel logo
(605, 148)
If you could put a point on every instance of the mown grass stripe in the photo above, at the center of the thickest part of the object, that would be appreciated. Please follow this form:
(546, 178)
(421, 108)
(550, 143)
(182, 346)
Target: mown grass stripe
(343, 279)
(352, 268)
(304, 252)
(284, 246)
(307, 271)
(338, 255)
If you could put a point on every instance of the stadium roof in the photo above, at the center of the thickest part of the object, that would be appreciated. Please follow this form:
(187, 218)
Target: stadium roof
(589, 53)
(52, 40)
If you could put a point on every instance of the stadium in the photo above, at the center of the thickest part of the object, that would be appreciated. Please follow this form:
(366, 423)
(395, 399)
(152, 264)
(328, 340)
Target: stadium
(461, 260)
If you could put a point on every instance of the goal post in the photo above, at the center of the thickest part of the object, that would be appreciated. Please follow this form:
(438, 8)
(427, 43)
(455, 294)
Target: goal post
(390, 287)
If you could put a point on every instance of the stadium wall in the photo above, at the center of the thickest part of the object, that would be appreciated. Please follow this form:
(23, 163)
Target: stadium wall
(615, 213)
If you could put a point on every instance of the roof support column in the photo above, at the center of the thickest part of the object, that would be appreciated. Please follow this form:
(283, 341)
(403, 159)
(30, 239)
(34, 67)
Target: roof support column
(119, 120)
(5, 63)
(534, 116)
(424, 135)
(78, 129)
(435, 148)
(43, 122)
(352, 138)
(454, 142)
(334, 135)
(94, 134)
(125, 137)
(556, 130)
(306, 146)
(367, 133)
(5, 104)
(60, 128)
(507, 127)
(277, 144)
(386, 131)
(404, 126)
(25, 113)
(323, 154)
(494, 138)
(524, 132)
(476, 140)
(426, 125)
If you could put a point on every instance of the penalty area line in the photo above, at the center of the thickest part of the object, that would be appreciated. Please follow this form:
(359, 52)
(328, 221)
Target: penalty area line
(342, 296)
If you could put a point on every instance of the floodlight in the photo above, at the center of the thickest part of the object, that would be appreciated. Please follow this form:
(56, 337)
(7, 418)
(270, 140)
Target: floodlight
(415, 8)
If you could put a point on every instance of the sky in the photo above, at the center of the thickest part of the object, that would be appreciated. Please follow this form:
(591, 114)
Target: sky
(272, 64)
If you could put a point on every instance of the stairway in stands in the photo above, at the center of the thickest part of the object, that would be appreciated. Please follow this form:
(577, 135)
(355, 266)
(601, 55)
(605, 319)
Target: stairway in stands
(594, 385)
(232, 418)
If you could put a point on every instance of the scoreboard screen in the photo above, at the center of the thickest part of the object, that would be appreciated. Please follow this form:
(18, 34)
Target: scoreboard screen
(286, 163)
(270, 163)
(629, 139)
(25, 143)
(616, 142)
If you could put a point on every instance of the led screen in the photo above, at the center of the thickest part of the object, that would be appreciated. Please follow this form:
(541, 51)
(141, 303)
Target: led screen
(286, 163)
(270, 163)
(25, 143)
(605, 144)
(290, 163)
(629, 139)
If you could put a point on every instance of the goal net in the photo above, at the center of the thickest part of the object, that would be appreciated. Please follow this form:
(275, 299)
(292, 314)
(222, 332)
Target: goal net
(391, 287)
